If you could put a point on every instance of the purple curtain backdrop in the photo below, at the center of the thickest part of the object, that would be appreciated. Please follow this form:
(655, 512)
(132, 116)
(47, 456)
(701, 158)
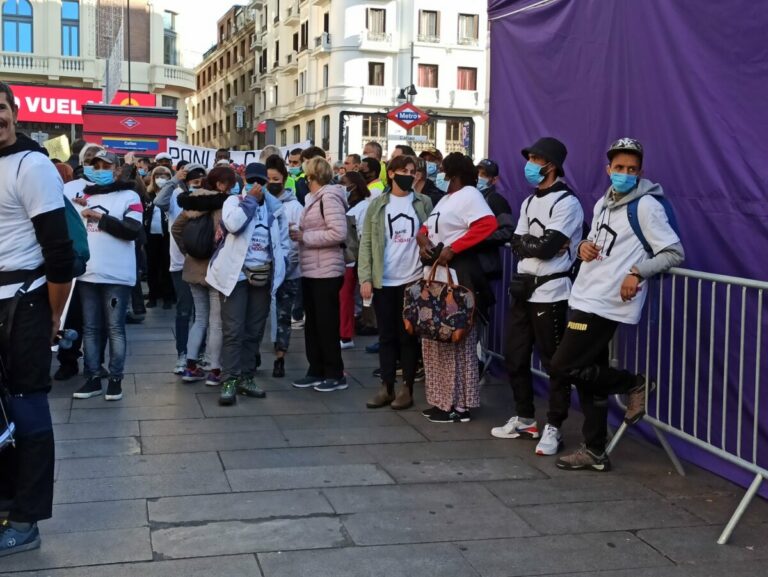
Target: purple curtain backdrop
(689, 79)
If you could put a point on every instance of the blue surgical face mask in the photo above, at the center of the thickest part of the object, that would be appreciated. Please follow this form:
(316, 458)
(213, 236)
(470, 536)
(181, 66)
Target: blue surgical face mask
(431, 169)
(482, 184)
(246, 188)
(142, 172)
(294, 170)
(235, 189)
(623, 182)
(533, 173)
(88, 171)
(441, 183)
(103, 177)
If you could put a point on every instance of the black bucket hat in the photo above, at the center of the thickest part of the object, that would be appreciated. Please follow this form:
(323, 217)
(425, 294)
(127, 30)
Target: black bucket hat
(549, 148)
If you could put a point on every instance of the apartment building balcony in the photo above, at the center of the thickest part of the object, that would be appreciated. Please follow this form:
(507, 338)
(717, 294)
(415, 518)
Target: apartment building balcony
(377, 95)
(468, 41)
(322, 43)
(427, 97)
(428, 38)
(162, 75)
(465, 99)
(376, 41)
(292, 13)
(255, 83)
(257, 43)
(53, 67)
(321, 3)
(256, 4)
(291, 62)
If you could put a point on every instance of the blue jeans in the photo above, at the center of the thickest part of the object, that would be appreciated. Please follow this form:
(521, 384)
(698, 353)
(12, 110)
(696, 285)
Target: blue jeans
(104, 309)
(184, 309)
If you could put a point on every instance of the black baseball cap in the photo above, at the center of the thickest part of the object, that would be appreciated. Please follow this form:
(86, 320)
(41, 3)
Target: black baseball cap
(256, 172)
(489, 166)
(550, 148)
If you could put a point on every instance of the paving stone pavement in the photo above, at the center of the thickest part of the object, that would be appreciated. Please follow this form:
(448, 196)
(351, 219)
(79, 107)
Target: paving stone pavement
(166, 483)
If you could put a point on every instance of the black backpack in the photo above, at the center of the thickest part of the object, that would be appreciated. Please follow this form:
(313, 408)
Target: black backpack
(198, 237)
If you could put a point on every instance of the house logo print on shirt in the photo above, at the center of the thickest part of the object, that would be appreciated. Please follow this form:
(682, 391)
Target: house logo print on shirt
(539, 224)
(402, 228)
(436, 216)
(92, 225)
(260, 238)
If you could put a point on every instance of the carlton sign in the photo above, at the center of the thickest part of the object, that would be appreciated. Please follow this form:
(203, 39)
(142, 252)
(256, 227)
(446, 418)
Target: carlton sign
(65, 105)
(408, 116)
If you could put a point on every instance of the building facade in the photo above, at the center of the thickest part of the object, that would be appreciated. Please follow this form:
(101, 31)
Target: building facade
(329, 71)
(54, 54)
(221, 112)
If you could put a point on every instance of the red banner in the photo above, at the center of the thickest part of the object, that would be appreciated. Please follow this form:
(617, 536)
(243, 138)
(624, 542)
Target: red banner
(56, 105)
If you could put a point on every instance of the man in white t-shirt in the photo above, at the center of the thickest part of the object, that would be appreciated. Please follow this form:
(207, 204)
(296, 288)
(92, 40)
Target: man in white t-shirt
(544, 242)
(113, 213)
(36, 266)
(610, 289)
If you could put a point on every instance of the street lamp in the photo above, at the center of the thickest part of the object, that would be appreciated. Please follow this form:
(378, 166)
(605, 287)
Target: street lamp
(411, 93)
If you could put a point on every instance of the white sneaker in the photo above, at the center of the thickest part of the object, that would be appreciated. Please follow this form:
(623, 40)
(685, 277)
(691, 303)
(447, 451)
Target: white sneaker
(297, 325)
(551, 441)
(181, 364)
(517, 427)
(347, 345)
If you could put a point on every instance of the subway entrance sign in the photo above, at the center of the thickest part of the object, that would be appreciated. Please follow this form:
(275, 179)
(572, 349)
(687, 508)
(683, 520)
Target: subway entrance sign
(124, 129)
(408, 116)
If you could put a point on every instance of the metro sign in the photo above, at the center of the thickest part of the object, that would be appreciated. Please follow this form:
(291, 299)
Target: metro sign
(408, 116)
(130, 123)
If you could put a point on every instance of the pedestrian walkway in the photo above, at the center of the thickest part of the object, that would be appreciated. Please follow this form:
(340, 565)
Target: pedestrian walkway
(166, 483)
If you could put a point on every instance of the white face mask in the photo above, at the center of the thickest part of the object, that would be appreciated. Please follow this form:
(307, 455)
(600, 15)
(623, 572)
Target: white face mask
(161, 182)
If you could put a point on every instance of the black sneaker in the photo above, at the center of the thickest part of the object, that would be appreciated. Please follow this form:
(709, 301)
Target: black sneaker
(278, 371)
(91, 388)
(330, 385)
(66, 372)
(16, 540)
(307, 382)
(114, 390)
(430, 411)
(452, 416)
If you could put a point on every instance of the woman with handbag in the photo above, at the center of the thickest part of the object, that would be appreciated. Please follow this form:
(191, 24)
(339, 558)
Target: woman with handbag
(460, 221)
(388, 262)
(247, 269)
(195, 233)
(321, 234)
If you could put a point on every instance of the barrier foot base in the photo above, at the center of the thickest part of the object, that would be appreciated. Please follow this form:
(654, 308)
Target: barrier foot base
(740, 510)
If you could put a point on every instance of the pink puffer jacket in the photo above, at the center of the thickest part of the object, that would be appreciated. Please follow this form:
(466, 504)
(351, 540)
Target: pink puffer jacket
(324, 224)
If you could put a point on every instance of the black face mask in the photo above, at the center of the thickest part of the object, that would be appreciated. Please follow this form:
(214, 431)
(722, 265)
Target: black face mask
(404, 181)
(274, 188)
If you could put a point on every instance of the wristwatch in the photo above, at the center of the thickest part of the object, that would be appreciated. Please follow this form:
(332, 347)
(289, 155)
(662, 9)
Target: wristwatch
(635, 274)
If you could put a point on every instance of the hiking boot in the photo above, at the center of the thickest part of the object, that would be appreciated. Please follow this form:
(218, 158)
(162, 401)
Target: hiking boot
(403, 399)
(249, 388)
(584, 460)
(66, 372)
(381, 399)
(330, 385)
(278, 370)
(91, 388)
(114, 389)
(14, 540)
(307, 382)
(228, 395)
(517, 427)
(636, 399)
(551, 442)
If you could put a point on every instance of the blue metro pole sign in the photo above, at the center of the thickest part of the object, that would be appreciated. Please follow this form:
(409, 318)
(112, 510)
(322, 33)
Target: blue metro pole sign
(408, 116)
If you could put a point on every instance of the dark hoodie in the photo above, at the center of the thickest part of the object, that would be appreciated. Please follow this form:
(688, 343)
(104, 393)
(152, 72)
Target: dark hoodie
(122, 228)
(50, 227)
(488, 250)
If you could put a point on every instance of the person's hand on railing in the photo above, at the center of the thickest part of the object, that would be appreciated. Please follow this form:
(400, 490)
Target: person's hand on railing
(629, 286)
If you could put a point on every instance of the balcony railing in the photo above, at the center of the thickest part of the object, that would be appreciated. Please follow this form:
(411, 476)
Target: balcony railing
(12, 62)
(292, 13)
(468, 41)
(432, 38)
(323, 42)
(378, 36)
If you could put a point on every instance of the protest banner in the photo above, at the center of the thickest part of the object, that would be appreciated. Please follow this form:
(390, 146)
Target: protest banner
(207, 156)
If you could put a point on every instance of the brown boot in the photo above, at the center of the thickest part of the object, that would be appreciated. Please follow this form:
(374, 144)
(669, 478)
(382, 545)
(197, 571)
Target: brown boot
(403, 400)
(382, 398)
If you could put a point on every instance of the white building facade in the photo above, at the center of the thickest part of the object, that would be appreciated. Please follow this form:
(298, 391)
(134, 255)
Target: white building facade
(330, 70)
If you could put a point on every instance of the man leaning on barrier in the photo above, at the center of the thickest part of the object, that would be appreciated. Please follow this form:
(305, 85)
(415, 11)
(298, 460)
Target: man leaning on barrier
(36, 265)
(631, 239)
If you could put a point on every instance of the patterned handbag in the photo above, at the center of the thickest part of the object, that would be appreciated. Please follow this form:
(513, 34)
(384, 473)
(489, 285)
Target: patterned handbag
(439, 311)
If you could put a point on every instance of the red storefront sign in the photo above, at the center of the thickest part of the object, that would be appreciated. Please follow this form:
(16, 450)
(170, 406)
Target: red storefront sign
(56, 105)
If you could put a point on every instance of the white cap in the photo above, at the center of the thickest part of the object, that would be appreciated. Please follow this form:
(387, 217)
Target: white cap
(163, 156)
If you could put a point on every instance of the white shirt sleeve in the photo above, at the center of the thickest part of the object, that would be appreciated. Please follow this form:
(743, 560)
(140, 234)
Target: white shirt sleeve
(134, 209)
(474, 206)
(567, 217)
(522, 221)
(39, 186)
(655, 225)
(595, 219)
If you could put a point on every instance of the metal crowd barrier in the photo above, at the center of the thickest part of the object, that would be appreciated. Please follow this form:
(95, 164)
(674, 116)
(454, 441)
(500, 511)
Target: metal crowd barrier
(700, 341)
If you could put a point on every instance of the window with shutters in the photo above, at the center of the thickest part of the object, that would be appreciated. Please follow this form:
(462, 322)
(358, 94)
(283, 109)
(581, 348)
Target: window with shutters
(427, 75)
(429, 26)
(466, 78)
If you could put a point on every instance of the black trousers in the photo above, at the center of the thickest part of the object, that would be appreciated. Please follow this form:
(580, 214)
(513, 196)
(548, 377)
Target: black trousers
(158, 268)
(74, 320)
(321, 327)
(582, 358)
(26, 471)
(394, 341)
(541, 324)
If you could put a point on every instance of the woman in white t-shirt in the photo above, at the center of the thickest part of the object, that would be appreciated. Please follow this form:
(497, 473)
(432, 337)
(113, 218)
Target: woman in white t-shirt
(388, 261)
(460, 221)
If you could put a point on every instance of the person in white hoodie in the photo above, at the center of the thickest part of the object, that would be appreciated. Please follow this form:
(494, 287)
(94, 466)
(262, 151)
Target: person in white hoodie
(247, 269)
(282, 304)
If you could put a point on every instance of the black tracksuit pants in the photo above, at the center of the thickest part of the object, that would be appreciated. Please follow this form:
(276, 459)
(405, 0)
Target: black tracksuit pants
(394, 341)
(321, 327)
(541, 324)
(582, 358)
(26, 471)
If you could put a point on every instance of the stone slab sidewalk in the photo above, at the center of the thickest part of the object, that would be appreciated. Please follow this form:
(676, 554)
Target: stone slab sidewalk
(166, 483)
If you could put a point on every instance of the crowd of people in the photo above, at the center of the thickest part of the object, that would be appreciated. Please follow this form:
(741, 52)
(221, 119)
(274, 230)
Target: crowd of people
(293, 241)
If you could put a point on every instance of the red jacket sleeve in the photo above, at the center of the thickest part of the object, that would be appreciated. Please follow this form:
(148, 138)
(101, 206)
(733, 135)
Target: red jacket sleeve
(477, 233)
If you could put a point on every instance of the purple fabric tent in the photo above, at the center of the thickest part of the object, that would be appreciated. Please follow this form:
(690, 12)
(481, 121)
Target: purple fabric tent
(689, 79)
